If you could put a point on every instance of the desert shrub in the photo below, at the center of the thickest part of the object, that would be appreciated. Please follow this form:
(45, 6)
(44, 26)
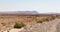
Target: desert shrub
(19, 25)
(7, 31)
(39, 21)
(46, 19)
(3, 23)
(43, 20)
(53, 17)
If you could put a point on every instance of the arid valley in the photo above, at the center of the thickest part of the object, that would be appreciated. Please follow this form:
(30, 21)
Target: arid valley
(29, 22)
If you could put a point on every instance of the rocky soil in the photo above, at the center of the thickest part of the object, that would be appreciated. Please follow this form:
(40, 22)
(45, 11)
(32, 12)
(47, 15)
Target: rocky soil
(50, 26)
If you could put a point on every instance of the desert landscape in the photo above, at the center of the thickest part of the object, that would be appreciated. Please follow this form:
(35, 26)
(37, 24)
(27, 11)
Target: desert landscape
(24, 22)
(29, 15)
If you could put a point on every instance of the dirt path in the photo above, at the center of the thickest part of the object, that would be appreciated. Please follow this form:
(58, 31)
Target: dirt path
(44, 27)
(58, 27)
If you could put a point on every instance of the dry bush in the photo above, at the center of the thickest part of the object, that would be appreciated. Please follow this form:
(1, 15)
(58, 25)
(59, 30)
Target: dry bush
(43, 20)
(19, 25)
(51, 18)
(3, 23)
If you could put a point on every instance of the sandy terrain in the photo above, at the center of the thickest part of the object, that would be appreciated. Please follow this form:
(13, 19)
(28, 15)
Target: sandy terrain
(45, 27)
(58, 27)
(30, 21)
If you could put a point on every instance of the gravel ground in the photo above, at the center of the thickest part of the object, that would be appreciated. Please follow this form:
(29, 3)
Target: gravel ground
(44, 27)
(58, 27)
(51, 26)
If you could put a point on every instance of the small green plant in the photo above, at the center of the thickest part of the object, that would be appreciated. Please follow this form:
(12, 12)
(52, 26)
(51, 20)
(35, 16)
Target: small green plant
(19, 25)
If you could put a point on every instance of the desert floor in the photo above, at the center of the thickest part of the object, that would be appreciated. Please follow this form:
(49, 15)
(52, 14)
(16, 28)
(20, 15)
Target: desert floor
(51, 26)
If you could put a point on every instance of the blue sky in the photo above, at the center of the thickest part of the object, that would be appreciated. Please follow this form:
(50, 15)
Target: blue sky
(42, 6)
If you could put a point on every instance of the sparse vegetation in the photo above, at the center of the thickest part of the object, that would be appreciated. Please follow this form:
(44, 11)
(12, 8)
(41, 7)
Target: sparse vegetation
(19, 25)
(46, 19)
(53, 17)
(3, 23)
(9, 21)
(39, 21)
(43, 20)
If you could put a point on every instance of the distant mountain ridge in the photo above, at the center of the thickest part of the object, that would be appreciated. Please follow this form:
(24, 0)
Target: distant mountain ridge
(23, 12)
(19, 13)
(26, 13)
